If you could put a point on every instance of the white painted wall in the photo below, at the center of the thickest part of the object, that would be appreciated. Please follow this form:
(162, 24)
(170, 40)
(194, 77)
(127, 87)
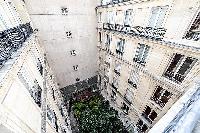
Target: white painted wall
(81, 21)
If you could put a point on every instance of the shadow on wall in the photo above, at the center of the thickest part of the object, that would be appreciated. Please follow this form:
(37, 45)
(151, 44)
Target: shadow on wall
(87, 83)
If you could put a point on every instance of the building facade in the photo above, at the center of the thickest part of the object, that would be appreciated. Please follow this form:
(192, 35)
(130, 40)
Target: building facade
(30, 98)
(148, 56)
(68, 33)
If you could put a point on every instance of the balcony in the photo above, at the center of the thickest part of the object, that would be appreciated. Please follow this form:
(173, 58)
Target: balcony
(174, 77)
(193, 35)
(123, 2)
(146, 32)
(13, 39)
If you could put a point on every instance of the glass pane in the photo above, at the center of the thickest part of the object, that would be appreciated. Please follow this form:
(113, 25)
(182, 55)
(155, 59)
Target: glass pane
(140, 52)
(186, 65)
(175, 61)
(148, 110)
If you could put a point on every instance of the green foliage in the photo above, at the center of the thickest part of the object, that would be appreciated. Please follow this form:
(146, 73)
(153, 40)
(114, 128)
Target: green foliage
(95, 116)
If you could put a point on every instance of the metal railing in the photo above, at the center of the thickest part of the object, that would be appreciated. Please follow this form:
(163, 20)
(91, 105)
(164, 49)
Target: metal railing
(192, 35)
(12, 39)
(147, 32)
(174, 77)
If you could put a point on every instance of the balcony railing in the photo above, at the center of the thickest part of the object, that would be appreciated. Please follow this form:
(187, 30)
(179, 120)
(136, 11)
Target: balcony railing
(147, 118)
(13, 39)
(174, 77)
(111, 2)
(147, 32)
(192, 35)
(159, 101)
(139, 61)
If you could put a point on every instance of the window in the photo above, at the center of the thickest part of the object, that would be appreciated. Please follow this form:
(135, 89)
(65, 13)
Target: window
(75, 68)
(100, 38)
(142, 126)
(194, 31)
(73, 52)
(53, 93)
(113, 96)
(133, 79)
(117, 68)
(161, 96)
(141, 54)
(179, 67)
(119, 17)
(99, 17)
(111, 17)
(51, 115)
(108, 40)
(115, 83)
(36, 92)
(128, 96)
(64, 11)
(157, 16)
(125, 108)
(128, 17)
(120, 46)
(149, 114)
(40, 67)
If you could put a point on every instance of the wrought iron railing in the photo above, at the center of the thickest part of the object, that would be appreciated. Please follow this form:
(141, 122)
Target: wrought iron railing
(142, 62)
(114, 2)
(147, 118)
(12, 39)
(158, 101)
(191, 35)
(147, 32)
(174, 77)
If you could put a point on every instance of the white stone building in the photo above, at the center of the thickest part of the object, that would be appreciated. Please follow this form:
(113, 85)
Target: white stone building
(30, 98)
(146, 54)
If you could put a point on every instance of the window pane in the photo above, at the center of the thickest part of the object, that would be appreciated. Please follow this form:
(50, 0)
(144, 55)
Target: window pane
(148, 110)
(186, 65)
(175, 61)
